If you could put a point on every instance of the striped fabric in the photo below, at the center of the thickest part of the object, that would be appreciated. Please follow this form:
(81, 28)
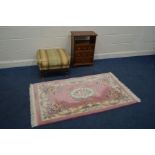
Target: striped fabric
(52, 59)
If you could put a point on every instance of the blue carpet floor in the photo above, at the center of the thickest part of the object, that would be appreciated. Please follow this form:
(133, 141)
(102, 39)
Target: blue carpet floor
(138, 73)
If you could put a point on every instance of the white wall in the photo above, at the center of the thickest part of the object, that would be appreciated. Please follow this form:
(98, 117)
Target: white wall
(18, 45)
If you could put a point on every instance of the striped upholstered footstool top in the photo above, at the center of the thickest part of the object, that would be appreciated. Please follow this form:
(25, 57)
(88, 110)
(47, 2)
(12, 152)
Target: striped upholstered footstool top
(49, 59)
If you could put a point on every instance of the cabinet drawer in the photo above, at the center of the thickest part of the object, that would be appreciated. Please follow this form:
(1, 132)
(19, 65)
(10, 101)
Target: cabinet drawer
(84, 47)
(84, 53)
(84, 60)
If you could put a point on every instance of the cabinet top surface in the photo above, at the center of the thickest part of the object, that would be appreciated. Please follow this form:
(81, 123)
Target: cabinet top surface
(83, 33)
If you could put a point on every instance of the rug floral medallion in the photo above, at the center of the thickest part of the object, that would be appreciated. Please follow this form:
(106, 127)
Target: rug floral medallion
(58, 100)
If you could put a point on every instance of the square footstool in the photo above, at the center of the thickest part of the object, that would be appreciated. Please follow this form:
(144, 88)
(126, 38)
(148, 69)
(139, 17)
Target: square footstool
(52, 60)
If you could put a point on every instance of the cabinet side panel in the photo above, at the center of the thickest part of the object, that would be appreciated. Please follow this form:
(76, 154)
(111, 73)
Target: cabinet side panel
(72, 50)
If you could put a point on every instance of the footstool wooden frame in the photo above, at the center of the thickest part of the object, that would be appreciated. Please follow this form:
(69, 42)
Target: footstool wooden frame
(52, 60)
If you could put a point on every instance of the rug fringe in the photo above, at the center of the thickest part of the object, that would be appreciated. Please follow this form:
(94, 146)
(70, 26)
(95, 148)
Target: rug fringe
(126, 88)
(32, 107)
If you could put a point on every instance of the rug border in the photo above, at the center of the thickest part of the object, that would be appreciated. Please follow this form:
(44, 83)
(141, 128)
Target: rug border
(87, 113)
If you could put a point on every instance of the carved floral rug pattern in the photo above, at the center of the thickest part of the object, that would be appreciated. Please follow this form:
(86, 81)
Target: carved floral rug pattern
(64, 99)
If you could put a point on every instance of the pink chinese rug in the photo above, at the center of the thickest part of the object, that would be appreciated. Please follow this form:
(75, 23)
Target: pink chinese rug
(59, 100)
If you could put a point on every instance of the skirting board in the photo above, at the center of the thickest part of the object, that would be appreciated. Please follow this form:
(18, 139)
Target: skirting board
(98, 55)
(17, 63)
(123, 54)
